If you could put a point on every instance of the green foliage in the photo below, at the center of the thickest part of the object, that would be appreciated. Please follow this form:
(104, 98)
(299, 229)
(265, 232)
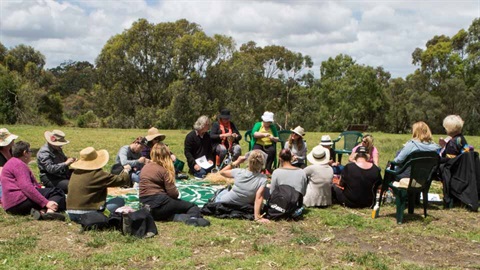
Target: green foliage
(8, 92)
(89, 119)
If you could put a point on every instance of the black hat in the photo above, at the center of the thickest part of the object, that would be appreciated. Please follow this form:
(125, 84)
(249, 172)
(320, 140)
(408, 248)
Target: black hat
(225, 114)
(361, 149)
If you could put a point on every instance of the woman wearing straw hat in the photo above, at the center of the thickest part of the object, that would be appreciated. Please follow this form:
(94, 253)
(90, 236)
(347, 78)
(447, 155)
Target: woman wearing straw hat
(88, 184)
(298, 147)
(265, 135)
(320, 175)
(21, 192)
(52, 162)
(157, 190)
(7, 140)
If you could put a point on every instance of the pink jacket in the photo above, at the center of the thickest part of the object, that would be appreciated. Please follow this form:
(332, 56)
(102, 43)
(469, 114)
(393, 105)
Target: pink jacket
(18, 184)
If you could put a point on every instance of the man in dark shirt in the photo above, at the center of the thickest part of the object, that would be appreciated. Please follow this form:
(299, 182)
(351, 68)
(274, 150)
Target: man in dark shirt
(198, 144)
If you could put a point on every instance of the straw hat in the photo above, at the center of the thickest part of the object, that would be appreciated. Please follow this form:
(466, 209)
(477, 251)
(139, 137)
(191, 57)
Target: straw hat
(267, 117)
(90, 159)
(299, 131)
(6, 137)
(319, 155)
(153, 133)
(55, 137)
(326, 140)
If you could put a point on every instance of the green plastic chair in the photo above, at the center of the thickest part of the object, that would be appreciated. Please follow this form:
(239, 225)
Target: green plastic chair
(350, 140)
(248, 137)
(283, 136)
(422, 165)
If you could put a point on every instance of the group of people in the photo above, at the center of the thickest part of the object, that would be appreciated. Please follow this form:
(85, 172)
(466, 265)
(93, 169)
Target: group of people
(149, 162)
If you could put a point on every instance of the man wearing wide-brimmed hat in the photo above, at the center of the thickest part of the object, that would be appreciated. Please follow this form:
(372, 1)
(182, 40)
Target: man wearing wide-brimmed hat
(52, 162)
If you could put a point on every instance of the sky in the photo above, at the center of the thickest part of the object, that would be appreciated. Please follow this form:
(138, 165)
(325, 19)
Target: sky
(374, 33)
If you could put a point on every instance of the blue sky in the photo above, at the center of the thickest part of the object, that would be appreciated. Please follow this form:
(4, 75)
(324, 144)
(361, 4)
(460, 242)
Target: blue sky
(375, 33)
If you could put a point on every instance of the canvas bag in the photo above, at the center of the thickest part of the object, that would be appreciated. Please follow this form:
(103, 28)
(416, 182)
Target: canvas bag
(283, 203)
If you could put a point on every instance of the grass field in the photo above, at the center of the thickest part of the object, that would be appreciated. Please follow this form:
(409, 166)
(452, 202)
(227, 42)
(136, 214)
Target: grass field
(334, 237)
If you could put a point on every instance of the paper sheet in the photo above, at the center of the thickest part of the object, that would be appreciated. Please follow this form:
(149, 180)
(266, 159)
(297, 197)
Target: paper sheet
(203, 162)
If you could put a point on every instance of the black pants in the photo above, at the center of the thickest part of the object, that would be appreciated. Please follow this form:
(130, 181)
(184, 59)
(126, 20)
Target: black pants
(163, 207)
(51, 194)
(52, 182)
(271, 151)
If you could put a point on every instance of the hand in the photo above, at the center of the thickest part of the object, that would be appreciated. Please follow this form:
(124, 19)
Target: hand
(52, 206)
(127, 168)
(210, 161)
(196, 167)
(173, 157)
(241, 159)
(234, 135)
(442, 142)
(262, 220)
(275, 139)
(142, 160)
(70, 161)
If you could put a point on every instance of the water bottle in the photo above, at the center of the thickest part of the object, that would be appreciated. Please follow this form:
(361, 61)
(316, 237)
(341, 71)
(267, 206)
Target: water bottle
(297, 212)
(376, 208)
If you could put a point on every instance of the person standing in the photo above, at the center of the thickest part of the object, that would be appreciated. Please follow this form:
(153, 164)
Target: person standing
(52, 161)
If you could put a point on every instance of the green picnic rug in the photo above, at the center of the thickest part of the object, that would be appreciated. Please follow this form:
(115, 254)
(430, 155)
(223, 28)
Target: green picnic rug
(194, 191)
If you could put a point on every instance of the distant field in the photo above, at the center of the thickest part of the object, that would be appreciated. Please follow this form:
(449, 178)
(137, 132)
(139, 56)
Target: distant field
(331, 238)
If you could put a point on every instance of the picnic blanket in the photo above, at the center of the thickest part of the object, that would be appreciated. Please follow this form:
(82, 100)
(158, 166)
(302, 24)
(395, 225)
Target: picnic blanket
(197, 192)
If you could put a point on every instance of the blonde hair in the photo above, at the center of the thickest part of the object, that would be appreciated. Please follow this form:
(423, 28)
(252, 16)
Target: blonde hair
(369, 139)
(421, 132)
(256, 161)
(161, 155)
(453, 124)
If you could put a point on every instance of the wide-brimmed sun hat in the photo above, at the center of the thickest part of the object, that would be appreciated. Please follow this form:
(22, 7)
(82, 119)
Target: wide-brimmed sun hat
(6, 137)
(55, 137)
(224, 114)
(267, 117)
(319, 155)
(326, 140)
(153, 133)
(90, 159)
(299, 131)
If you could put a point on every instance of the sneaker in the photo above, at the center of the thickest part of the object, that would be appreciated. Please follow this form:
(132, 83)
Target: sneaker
(149, 235)
(197, 222)
(182, 176)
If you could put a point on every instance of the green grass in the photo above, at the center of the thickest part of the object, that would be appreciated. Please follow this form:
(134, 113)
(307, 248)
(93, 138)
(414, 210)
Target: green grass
(333, 237)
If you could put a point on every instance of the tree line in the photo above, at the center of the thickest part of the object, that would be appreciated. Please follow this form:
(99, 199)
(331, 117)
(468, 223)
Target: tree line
(167, 74)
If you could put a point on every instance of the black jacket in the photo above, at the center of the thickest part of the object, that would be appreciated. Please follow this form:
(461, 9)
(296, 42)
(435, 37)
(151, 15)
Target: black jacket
(461, 176)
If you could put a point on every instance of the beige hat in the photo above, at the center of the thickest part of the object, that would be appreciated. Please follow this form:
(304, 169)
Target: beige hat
(319, 155)
(90, 159)
(6, 137)
(299, 131)
(267, 117)
(55, 137)
(326, 140)
(153, 133)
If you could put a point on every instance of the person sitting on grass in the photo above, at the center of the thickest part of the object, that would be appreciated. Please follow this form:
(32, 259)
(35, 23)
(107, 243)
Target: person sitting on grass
(359, 182)
(89, 182)
(320, 175)
(157, 190)
(249, 184)
(22, 195)
(288, 174)
(7, 140)
(327, 143)
(52, 161)
(298, 147)
(132, 155)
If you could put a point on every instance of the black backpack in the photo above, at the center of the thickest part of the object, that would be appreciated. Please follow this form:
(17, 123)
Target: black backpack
(283, 203)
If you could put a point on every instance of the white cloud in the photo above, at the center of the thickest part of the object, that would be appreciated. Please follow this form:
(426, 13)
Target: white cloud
(376, 33)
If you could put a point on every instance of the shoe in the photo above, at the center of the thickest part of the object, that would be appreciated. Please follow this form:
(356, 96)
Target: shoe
(149, 235)
(182, 176)
(181, 217)
(53, 216)
(197, 222)
(35, 214)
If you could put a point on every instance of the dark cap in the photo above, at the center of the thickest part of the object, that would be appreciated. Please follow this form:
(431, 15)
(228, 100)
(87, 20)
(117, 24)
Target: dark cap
(225, 114)
(361, 149)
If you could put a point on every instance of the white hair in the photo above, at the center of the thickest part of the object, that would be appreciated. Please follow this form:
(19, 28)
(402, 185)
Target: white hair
(201, 122)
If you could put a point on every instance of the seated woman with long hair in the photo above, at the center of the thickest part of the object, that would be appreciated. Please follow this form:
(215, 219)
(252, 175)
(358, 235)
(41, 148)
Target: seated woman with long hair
(22, 194)
(372, 151)
(249, 183)
(298, 147)
(157, 190)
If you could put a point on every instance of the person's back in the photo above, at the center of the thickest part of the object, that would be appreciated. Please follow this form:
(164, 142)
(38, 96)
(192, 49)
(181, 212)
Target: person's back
(245, 187)
(359, 185)
(294, 177)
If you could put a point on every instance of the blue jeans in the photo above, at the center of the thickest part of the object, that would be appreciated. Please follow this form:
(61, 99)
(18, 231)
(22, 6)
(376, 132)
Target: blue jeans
(135, 177)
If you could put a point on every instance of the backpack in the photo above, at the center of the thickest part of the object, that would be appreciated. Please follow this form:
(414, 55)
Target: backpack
(283, 203)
